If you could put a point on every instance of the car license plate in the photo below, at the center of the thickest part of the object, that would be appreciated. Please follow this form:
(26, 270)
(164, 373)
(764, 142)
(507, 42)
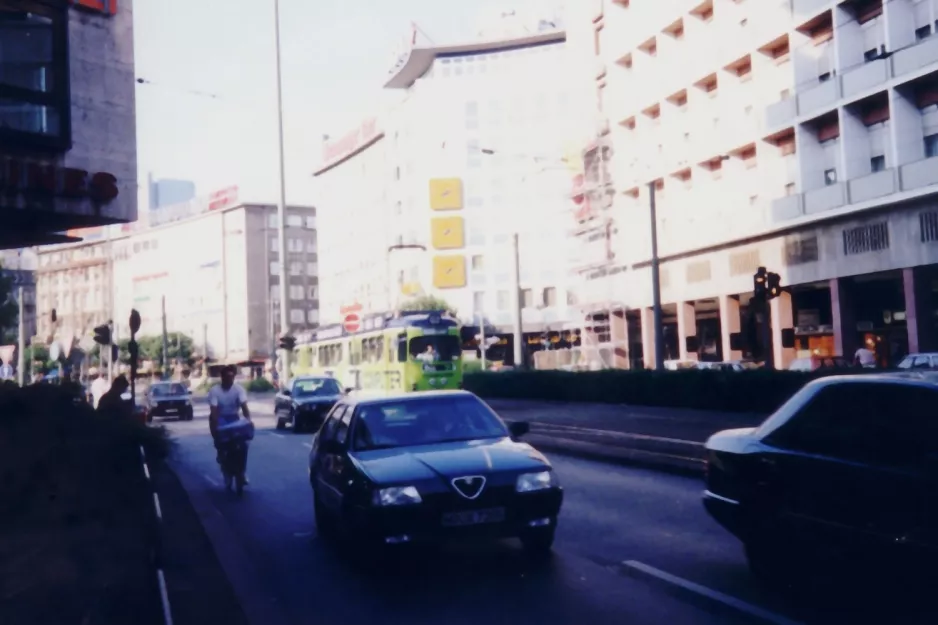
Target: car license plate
(172, 410)
(474, 517)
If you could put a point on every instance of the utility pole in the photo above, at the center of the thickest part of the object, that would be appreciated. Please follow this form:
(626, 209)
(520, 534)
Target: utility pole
(21, 347)
(282, 204)
(517, 302)
(656, 280)
(165, 338)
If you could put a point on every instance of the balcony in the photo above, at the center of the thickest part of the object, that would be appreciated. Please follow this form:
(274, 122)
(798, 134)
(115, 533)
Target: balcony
(781, 114)
(864, 77)
(821, 96)
(825, 198)
(804, 9)
(873, 186)
(916, 57)
(919, 174)
(788, 207)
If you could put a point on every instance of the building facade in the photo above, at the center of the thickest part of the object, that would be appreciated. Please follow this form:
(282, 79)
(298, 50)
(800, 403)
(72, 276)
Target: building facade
(167, 192)
(800, 136)
(469, 155)
(67, 125)
(215, 274)
(20, 267)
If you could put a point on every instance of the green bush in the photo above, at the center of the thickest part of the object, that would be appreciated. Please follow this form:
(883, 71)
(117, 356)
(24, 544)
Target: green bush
(758, 390)
(259, 385)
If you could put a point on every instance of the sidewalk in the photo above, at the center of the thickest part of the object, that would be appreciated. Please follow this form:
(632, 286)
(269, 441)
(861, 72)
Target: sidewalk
(668, 439)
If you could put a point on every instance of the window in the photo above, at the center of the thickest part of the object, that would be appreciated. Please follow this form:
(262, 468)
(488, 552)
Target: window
(314, 292)
(312, 316)
(274, 244)
(478, 263)
(312, 269)
(830, 176)
(884, 424)
(272, 221)
(274, 268)
(878, 163)
(275, 291)
(501, 300)
(296, 269)
(550, 296)
(311, 222)
(923, 33)
(527, 298)
(295, 221)
(297, 316)
(478, 302)
(295, 245)
(931, 146)
(790, 189)
(297, 292)
(34, 70)
(311, 246)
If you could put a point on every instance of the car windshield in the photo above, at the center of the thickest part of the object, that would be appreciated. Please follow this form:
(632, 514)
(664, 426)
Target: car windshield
(425, 422)
(316, 387)
(435, 347)
(168, 390)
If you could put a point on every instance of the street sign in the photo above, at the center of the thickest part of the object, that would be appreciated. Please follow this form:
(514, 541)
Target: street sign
(352, 322)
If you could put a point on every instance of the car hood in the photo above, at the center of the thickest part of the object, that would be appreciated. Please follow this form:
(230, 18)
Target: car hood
(734, 441)
(312, 401)
(479, 457)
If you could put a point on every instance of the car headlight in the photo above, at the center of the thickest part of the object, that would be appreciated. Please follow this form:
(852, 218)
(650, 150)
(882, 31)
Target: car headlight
(530, 482)
(396, 496)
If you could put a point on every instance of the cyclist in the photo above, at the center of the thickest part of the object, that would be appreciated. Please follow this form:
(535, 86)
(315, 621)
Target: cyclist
(226, 400)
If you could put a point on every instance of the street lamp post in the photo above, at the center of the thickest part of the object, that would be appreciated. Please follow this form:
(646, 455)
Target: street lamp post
(282, 202)
(656, 280)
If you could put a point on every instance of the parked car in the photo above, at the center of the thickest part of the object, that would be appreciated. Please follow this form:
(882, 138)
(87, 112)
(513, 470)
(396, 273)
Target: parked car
(927, 361)
(849, 465)
(813, 363)
(168, 399)
(427, 467)
(307, 402)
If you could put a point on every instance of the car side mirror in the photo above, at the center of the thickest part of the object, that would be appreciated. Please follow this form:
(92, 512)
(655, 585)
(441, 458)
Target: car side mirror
(286, 393)
(519, 428)
(347, 390)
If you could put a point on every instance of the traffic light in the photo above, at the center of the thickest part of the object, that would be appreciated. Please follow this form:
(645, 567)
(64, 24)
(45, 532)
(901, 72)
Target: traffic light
(102, 335)
(287, 342)
(53, 316)
(759, 284)
(115, 353)
(773, 284)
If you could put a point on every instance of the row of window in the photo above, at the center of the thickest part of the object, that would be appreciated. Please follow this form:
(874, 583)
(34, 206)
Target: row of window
(530, 298)
(297, 292)
(299, 316)
(294, 220)
(294, 246)
(295, 269)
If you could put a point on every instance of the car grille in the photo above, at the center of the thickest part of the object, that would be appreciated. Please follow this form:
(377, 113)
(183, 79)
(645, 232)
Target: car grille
(492, 496)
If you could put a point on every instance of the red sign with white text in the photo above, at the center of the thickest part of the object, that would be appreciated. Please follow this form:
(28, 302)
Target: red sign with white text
(108, 7)
(351, 142)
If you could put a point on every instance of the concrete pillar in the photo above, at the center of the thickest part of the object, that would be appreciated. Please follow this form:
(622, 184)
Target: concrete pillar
(844, 318)
(729, 324)
(919, 317)
(686, 327)
(810, 175)
(782, 318)
(855, 149)
(906, 130)
(848, 40)
(648, 338)
(619, 334)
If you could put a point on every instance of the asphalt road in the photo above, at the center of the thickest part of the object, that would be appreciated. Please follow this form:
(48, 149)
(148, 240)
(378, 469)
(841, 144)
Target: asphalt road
(612, 515)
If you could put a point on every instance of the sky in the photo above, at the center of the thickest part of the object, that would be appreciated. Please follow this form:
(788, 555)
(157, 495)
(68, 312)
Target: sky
(207, 109)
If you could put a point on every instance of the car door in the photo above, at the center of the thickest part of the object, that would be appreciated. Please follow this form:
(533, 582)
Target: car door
(327, 461)
(838, 471)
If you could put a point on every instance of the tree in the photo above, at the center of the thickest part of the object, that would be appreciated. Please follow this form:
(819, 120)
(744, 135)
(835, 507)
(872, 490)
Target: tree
(180, 346)
(428, 302)
(9, 309)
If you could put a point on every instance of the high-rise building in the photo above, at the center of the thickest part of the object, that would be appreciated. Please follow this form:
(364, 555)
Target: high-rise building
(425, 198)
(800, 136)
(166, 192)
(67, 124)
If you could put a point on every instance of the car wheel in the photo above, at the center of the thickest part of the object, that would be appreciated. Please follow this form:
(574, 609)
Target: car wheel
(538, 542)
(298, 425)
(281, 423)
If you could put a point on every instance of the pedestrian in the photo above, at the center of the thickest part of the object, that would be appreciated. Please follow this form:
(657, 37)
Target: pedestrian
(112, 401)
(99, 386)
(865, 358)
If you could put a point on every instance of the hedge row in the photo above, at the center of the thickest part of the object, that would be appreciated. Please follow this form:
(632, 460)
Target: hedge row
(758, 390)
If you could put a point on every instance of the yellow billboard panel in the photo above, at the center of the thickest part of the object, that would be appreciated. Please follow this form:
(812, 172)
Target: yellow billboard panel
(449, 272)
(446, 194)
(447, 233)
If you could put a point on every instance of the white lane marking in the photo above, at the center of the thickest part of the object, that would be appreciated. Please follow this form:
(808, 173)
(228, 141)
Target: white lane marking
(146, 471)
(277, 435)
(156, 504)
(612, 434)
(211, 480)
(308, 445)
(164, 598)
(696, 592)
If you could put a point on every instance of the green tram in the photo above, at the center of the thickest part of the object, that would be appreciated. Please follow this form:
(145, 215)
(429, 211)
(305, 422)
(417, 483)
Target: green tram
(406, 351)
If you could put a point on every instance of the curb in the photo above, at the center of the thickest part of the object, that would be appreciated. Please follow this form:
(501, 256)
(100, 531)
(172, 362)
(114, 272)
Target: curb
(157, 556)
(666, 463)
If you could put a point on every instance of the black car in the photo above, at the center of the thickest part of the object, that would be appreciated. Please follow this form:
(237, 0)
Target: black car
(168, 399)
(847, 467)
(307, 402)
(430, 466)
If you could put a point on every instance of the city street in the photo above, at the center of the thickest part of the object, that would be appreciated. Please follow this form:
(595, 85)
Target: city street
(616, 523)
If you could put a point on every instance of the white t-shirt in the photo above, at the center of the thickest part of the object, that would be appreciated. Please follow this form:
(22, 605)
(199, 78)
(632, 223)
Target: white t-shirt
(99, 387)
(228, 402)
(866, 357)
